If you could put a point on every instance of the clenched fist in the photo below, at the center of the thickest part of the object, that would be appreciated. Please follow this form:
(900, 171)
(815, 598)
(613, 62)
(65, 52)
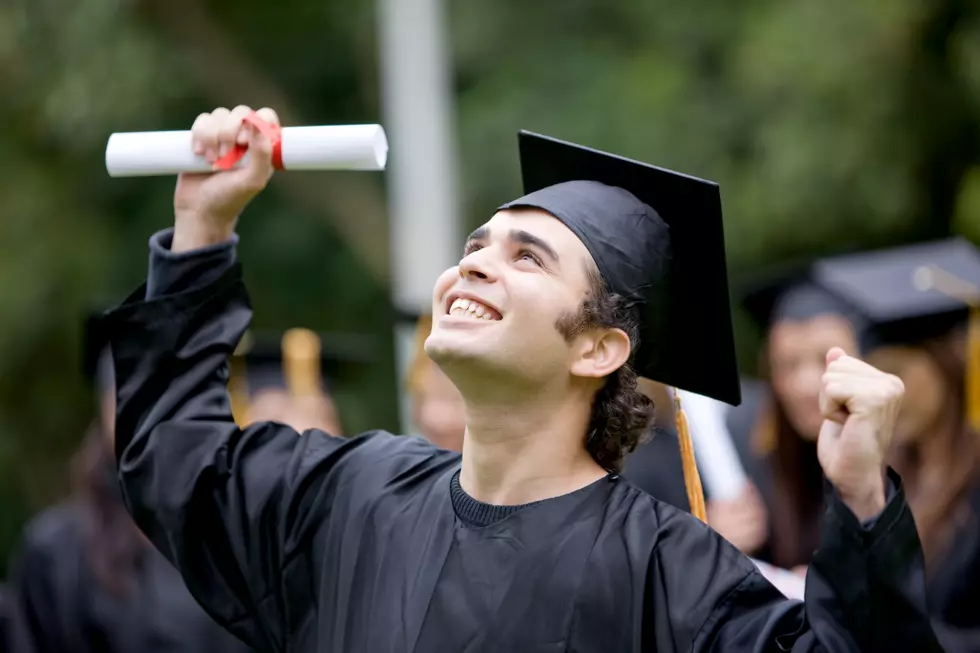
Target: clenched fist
(207, 206)
(859, 404)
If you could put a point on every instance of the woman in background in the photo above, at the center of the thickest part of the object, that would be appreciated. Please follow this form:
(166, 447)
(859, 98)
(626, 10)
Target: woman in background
(778, 518)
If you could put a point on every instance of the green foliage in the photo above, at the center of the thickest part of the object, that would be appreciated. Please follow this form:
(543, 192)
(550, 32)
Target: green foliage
(828, 125)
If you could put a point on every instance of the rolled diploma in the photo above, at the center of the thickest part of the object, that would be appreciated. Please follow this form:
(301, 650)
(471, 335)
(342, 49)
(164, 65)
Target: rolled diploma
(333, 147)
(724, 476)
(791, 585)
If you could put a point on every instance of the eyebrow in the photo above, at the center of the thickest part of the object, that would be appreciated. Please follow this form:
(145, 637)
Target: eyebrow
(518, 236)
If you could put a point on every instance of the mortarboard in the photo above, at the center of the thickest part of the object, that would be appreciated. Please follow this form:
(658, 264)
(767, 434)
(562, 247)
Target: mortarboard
(657, 239)
(299, 361)
(788, 292)
(914, 293)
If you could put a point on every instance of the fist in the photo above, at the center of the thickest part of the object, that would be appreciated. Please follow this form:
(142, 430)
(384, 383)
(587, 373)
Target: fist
(207, 206)
(859, 404)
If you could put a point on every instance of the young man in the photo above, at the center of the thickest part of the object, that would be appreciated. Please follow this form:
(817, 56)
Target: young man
(529, 541)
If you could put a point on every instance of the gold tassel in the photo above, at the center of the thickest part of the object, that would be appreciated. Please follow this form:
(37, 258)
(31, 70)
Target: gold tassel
(238, 382)
(692, 479)
(301, 362)
(973, 369)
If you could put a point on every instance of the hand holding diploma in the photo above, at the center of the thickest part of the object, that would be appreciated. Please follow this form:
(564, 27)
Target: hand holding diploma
(207, 206)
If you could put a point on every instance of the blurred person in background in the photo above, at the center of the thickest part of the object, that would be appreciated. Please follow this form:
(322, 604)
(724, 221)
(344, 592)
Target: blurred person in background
(921, 329)
(85, 578)
(778, 519)
(285, 378)
(438, 410)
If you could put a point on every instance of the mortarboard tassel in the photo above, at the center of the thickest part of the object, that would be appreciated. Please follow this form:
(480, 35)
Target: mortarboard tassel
(301, 362)
(692, 479)
(935, 278)
(238, 383)
(973, 369)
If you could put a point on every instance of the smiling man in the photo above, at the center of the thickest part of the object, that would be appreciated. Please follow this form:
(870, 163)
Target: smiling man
(529, 540)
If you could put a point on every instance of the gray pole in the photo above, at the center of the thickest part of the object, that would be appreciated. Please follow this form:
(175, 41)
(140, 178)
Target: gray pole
(422, 182)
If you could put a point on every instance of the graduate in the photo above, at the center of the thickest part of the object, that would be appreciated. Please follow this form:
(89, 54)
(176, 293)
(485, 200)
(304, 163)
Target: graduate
(529, 540)
(922, 307)
(84, 579)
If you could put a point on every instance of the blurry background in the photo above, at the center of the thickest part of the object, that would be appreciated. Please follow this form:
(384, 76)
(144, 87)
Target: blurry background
(829, 126)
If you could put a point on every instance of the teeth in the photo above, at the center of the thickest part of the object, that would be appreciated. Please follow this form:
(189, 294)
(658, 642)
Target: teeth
(469, 308)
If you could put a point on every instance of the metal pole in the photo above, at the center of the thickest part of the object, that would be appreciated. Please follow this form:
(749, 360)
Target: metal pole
(418, 119)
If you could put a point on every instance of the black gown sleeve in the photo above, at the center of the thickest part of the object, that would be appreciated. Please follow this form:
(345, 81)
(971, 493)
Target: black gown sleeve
(235, 510)
(865, 591)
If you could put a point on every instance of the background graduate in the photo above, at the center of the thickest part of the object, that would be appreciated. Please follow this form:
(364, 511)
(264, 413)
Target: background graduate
(529, 540)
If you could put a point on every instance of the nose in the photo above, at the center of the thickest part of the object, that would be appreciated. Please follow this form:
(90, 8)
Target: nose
(478, 266)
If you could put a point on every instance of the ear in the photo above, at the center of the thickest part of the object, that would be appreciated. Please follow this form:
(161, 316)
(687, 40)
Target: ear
(599, 353)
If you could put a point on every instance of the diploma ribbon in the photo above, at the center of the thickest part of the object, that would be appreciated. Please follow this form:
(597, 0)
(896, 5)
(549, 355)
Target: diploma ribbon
(270, 131)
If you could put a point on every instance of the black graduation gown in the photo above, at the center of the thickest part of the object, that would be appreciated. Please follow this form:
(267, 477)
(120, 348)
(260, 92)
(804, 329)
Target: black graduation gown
(57, 604)
(656, 468)
(318, 543)
(954, 585)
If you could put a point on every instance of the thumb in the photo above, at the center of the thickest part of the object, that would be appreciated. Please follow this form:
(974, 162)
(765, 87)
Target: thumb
(260, 150)
(834, 353)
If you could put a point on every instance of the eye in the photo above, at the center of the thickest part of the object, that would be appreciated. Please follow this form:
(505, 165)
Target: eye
(526, 254)
(471, 248)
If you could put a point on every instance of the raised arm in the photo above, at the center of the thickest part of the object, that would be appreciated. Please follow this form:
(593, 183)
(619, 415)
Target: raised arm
(865, 587)
(236, 510)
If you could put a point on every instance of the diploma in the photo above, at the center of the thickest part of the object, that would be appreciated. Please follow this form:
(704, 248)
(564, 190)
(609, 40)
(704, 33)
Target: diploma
(333, 147)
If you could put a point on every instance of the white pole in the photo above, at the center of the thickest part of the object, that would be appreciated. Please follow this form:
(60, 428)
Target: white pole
(422, 181)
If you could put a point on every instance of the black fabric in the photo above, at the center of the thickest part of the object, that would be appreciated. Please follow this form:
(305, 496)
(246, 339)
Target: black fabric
(57, 604)
(309, 542)
(658, 241)
(954, 582)
(476, 513)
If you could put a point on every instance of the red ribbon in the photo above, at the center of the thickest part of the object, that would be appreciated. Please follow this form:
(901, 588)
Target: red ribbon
(272, 132)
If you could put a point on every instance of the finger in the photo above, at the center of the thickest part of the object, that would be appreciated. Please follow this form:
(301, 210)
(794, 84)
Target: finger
(833, 402)
(834, 353)
(204, 135)
(218, 117)
(269, 116)
(239, 113)
(852, 365)
(228, 127)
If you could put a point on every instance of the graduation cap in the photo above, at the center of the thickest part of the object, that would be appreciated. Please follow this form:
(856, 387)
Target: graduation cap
(658, 241)
(788, 292)
(912, 294)
(298, 361)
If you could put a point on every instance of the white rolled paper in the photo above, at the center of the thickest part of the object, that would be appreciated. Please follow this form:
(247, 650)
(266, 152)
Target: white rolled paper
(333, 147)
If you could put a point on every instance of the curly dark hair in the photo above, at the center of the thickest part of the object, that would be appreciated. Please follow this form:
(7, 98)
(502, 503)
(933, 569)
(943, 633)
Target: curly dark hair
(621, 414)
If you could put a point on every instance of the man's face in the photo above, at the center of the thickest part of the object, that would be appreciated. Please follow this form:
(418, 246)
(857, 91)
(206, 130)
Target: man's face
(497, 311)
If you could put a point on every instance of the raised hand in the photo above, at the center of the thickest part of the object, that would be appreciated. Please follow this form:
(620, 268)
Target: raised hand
(207, 206)
(859, 404)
